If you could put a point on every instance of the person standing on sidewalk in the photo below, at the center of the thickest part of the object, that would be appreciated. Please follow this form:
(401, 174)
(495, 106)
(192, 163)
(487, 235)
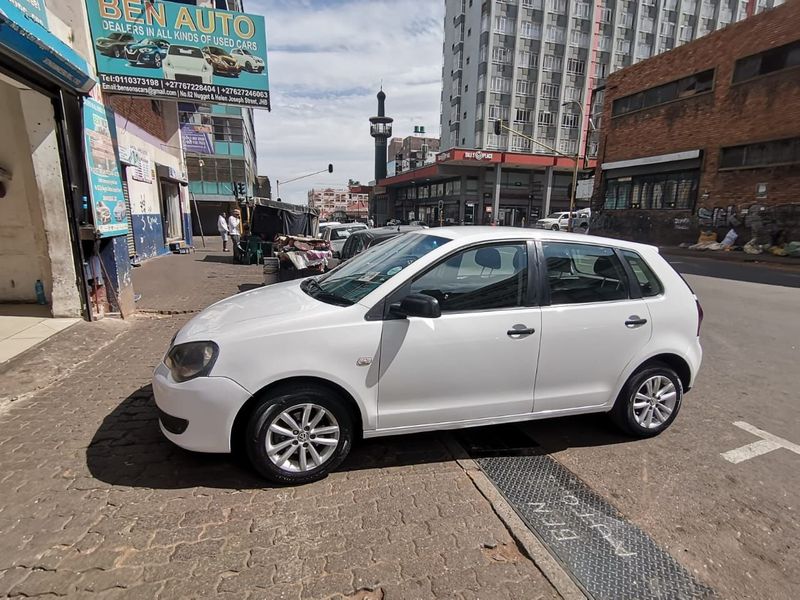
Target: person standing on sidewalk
(235, 231)
(222, 227)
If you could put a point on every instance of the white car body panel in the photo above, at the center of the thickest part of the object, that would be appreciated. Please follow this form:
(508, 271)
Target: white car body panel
(337, 245)
(459, 370)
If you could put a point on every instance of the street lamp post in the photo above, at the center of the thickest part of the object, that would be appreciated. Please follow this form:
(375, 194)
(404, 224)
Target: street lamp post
(577, 162)
(499, 125)
(278, 183)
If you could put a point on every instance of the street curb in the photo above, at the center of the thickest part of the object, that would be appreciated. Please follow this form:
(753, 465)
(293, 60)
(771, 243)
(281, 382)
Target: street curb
(544, 560)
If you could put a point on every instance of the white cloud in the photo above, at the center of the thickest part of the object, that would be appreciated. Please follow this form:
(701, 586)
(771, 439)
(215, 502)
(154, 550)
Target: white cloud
(327, 59)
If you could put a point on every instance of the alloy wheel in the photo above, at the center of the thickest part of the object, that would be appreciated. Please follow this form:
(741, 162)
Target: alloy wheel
(654, 402)
(302, 437)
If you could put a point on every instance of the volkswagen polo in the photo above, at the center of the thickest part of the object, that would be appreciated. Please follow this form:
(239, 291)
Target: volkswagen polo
(437, 329)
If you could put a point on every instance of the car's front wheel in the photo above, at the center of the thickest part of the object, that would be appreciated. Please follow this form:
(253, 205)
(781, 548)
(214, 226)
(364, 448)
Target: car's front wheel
(649, 402)
(555, 228)
(299, 435)
(117, 52)
(157, 61)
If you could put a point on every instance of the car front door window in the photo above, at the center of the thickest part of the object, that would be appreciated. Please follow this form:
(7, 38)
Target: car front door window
(483, 278)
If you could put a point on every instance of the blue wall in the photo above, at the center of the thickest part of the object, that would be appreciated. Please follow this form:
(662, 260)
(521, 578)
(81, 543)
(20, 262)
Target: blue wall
(148, 234)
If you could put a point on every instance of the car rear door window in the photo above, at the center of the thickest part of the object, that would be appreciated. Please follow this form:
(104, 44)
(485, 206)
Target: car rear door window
(483, 278)
(581, 273)
(648, 282)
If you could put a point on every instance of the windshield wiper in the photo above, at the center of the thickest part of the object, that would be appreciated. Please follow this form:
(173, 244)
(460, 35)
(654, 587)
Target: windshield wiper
(312, 287)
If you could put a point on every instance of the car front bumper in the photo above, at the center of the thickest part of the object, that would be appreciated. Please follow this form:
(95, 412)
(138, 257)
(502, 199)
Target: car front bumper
(197, 414)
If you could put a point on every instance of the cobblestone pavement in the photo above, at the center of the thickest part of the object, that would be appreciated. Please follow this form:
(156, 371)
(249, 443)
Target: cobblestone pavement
(96, 504)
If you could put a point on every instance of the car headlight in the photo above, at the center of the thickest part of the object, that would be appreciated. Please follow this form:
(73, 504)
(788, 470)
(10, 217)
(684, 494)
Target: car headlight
(190, 360)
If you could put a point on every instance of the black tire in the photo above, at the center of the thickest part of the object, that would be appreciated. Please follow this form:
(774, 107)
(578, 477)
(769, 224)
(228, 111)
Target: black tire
(248, 67)
(276, 403)
(623, 412)
(157, 61)
(555, 228)
(117, 52)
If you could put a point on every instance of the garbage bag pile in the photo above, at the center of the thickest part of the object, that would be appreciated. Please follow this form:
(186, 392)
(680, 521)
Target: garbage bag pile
(708, 241)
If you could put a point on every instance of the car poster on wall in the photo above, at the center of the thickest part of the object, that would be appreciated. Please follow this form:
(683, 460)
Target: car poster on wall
(102, 164)
(179, 52)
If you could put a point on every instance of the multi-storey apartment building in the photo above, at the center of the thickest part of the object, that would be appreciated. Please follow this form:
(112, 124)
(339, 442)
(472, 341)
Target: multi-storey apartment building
(411, 152)
(340, 203)
(536, 63)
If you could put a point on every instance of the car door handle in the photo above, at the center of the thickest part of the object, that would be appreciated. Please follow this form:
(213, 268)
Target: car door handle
(635, 321)
(513, 332)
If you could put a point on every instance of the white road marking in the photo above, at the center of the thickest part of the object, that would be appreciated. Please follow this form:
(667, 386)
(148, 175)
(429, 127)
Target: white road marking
(767, 443)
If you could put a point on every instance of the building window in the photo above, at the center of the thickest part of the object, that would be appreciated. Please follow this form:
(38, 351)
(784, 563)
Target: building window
(763, 154)
(520, 144)
(572, 93)
(558, 6)
(498, 112)
(549, 90)
(496, 142)
(551, 62)
(770, 61)
(523, 115)
(556, 34)
(546, 118)
(575, 66)
(501, 84)
(570, 121)
(567, 146)
(528, 59)
(605, 15)
(664, 191)
(530, 30)
(524, 87)
(501, 54)
(682, 88)
(582, 9)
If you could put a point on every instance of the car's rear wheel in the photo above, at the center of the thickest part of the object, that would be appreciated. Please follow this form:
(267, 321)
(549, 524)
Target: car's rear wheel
(649, 401)
(299, 435)
(157, 61)
(555, 228)
(117, 52)
(248, 66)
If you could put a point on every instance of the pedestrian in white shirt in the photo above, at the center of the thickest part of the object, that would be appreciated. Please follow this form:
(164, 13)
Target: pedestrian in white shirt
(222, 227)
(234, 228)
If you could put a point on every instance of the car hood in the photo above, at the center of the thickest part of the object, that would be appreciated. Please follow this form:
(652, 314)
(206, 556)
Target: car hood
(276, 307)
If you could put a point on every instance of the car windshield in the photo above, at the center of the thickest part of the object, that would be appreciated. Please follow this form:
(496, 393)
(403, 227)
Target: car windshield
(117, 36)
(362, 274)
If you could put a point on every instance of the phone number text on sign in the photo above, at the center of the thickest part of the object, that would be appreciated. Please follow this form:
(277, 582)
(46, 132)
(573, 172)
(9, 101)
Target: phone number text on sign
(170, 89)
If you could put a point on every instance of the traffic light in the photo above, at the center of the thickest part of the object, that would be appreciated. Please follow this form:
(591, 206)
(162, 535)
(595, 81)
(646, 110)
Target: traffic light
(498, 127)
(330, 168)
(241, 191)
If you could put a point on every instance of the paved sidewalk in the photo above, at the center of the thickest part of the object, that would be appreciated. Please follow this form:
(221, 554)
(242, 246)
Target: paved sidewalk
(96, 504)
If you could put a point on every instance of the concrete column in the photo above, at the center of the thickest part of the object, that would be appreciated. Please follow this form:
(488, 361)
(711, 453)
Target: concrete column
(41, 129)
(548, 190)
(498, 171)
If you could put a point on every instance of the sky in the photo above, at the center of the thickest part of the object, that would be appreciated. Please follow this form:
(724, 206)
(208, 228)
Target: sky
(326, 61)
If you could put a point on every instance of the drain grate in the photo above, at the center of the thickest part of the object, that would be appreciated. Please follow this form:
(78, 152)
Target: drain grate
(609, 557)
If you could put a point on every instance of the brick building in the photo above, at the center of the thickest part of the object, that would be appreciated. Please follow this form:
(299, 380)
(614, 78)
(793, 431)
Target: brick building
(706, 136)
(411, 152)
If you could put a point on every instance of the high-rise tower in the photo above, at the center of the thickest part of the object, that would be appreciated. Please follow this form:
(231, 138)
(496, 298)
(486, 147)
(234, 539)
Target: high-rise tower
(381, 130)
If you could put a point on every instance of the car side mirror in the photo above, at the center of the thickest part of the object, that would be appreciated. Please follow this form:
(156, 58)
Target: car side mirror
(417, 305)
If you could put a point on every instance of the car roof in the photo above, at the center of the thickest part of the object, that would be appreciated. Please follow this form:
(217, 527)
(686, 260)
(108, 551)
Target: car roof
(478, 233)
(344, 225)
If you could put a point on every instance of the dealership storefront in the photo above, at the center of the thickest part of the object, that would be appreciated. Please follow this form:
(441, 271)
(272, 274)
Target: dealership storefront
(461, 186)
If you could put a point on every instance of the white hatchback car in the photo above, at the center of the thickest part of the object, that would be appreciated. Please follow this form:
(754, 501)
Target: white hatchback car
(437, 329)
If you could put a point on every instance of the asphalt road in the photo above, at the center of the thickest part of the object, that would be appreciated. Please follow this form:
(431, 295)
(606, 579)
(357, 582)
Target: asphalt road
(736, 526)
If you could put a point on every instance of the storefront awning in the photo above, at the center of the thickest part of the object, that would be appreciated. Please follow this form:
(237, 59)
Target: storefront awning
(31, 45)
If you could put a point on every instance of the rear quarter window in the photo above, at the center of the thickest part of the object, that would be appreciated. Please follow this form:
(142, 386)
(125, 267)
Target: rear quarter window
(648, 282)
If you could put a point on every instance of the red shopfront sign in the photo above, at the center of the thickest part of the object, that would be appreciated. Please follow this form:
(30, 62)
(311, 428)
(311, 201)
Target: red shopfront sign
(480, 156)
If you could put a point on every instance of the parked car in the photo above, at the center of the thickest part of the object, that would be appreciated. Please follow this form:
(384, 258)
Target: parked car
(450, 328)
(248, 61)
(359, 241)
(338, 234)
(114, 44)
(149, 52)
(221, 62)
(560, 221)
(187, 64)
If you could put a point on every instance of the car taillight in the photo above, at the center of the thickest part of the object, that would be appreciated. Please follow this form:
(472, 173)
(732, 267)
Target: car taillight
(699, 315)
